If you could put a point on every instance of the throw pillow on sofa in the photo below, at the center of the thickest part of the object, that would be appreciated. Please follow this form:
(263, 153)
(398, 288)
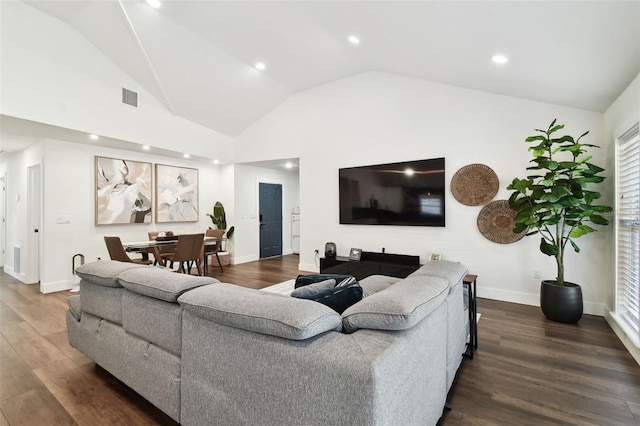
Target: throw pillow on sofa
(303, 280)
(338, 296)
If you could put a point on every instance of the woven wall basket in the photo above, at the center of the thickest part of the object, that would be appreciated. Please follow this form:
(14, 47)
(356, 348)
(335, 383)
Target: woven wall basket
(495, 222)
(474, 185)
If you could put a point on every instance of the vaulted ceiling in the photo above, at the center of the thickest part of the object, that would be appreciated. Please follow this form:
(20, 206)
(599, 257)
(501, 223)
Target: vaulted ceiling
(198, 57)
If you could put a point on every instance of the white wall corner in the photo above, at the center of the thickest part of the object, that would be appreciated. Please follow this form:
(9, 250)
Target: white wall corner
(22, 277)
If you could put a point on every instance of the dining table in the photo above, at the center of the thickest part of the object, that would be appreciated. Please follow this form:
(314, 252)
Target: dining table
(151, 246)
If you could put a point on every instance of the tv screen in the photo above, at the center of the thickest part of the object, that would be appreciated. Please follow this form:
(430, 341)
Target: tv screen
(407, 193)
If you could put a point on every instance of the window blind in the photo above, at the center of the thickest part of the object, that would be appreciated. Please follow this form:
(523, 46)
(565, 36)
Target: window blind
(628, 230)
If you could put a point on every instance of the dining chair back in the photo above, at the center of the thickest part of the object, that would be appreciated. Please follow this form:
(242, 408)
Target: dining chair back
(189, 252)
(214, 248)
(116, 251)
(162, 253)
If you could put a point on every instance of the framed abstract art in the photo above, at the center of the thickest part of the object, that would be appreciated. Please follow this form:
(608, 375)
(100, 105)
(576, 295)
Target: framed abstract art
(176, 194)
(123, 191)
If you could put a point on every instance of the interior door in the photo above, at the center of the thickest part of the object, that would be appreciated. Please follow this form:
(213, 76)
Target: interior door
(270, 207)
(34, 217)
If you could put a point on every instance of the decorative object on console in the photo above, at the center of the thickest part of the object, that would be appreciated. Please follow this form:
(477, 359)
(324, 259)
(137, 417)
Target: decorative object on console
(474, 185)
(496, 221)
(330, 250)
(355, 254)
(556, 204)
(435, 256)
(176, 194)
(123, 191)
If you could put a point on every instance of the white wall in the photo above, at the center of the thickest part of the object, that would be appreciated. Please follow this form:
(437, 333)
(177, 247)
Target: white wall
(374, 118)
(246, 240)
(51, 74)
(68, 190)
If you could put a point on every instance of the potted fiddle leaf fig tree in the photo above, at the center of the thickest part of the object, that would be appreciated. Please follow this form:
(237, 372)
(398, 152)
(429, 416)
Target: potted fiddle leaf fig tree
(556, 201)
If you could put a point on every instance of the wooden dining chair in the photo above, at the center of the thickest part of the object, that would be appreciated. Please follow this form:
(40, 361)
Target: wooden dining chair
(163, 253)
(116, 251)
(189, 252)
(214, 249)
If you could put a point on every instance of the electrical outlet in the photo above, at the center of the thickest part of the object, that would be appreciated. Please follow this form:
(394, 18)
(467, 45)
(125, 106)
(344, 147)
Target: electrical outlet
(536, 273)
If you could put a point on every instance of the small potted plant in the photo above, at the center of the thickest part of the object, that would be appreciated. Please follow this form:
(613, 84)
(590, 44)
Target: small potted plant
(555, 203)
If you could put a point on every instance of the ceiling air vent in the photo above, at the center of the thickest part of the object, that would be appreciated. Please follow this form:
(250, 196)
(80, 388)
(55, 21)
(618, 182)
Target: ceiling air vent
(129, 97)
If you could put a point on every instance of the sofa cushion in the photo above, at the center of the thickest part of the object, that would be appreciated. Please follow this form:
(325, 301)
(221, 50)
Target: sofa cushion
(261, 312)
(375, 283)
(74, 306)
(398, 307)
(161, 283)
(453, 272)
(105, 273)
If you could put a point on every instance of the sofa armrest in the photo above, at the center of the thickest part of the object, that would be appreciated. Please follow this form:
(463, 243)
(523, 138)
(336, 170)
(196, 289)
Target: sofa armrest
(261, 312)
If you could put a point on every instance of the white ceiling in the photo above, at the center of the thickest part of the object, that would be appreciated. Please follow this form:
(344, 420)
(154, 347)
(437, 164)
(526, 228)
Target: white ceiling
(197, 57)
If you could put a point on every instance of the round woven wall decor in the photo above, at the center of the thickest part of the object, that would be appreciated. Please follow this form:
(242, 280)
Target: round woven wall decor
(474, 185)
(495, 222)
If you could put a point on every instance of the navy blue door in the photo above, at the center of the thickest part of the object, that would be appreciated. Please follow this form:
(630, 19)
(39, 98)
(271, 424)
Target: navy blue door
(270, 200)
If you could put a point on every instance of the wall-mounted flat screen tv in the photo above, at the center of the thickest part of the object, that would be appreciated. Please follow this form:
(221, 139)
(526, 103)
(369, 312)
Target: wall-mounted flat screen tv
(410, 193)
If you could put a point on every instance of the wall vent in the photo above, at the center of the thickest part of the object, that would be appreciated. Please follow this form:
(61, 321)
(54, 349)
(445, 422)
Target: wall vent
(129, 97)
(16, 258)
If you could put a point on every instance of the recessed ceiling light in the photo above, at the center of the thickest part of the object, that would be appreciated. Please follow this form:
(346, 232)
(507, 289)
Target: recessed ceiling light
(354, 40)
(500, 59)
(154, 3)
(288, 165)
(146, 147)
(94, 137)
(186, 155)
(260, 66)
(216, 161)
(409, 172)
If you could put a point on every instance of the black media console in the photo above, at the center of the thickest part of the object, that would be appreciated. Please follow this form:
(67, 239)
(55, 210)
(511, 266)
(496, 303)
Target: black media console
(370, 263)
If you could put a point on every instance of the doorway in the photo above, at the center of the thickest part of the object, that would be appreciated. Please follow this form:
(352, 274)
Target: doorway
(34, 217)
(270, 208)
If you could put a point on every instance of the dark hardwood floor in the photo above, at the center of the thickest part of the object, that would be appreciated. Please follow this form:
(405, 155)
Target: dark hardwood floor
(527, 370)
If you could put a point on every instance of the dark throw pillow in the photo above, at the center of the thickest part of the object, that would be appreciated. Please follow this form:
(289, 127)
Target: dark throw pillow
(335, 291)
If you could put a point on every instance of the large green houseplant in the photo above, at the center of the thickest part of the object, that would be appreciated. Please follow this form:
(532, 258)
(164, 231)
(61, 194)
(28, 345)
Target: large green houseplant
(555, 203)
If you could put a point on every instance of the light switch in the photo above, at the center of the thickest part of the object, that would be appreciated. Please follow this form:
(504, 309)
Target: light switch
(63, 220)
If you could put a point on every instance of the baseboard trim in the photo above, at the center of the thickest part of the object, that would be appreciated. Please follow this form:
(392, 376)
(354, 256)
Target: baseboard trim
(308, 267)
(18, 276)
(46, 288)
(244, 259)
(590, 308)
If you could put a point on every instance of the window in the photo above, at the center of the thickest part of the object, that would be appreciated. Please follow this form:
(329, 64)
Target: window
(628, 232)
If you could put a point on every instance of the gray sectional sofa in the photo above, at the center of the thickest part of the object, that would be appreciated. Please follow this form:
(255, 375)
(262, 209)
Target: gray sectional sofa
(210, 353)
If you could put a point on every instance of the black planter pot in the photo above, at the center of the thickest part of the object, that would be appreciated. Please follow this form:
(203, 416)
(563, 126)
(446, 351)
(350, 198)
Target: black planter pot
(561, 303)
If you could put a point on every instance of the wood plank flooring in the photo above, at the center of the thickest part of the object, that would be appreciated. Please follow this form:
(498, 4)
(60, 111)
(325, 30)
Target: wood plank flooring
(527, 370)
